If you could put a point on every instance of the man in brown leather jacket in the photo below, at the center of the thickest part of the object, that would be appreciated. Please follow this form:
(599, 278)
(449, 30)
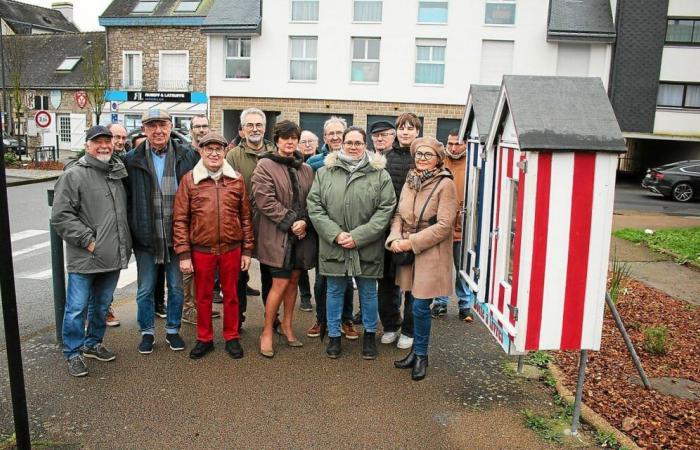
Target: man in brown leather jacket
(212, 228)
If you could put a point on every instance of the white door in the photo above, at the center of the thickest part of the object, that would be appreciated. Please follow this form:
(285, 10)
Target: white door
(48, 134)
(77, 132)
(64, 131)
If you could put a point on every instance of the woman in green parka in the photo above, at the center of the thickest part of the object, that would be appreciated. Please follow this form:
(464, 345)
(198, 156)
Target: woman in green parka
(350, 204)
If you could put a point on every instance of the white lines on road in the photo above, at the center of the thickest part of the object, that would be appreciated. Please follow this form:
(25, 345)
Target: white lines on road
(43, 275)
(26, 234)
(31, 248)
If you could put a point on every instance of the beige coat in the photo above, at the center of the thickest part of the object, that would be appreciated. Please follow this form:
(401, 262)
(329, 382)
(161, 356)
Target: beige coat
(432, 244)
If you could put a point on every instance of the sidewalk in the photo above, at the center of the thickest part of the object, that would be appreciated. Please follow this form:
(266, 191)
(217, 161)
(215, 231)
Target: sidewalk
(18, 177)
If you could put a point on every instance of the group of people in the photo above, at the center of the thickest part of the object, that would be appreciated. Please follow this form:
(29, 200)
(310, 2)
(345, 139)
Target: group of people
(383, 221)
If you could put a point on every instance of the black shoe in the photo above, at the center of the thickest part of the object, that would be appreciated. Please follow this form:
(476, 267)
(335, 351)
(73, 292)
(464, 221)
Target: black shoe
(234, 349)
(200, 349)
(408, 362)
(175, 341)
(465, 314)
(251, 291)
(357, 318)
(369, 345)
(146, 345)
(420, 368)
(333, 350)
(306, 306)
(217, 298)
(161, 311)
(438, 310)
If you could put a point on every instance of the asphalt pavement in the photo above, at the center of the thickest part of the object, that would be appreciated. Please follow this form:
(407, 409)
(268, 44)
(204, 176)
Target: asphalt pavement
(630, 196)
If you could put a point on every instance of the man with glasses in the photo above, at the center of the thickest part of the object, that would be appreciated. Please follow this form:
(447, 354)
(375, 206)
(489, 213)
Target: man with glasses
(383, 134)
(308, 144)
(199, 127)
(155, 169)
(244, 158)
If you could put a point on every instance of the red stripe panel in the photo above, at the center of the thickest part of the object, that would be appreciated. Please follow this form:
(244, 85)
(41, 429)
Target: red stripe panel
(509, 168)
(501, 297)
(539, 252)
(494, 255)
(518, 239)
(579, 241)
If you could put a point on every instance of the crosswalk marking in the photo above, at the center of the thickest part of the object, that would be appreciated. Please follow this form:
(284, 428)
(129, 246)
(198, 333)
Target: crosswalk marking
(26, 234)
(43, 275)
(31, 248)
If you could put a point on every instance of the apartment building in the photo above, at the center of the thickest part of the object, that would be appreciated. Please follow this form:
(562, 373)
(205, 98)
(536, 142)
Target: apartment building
(367, 60)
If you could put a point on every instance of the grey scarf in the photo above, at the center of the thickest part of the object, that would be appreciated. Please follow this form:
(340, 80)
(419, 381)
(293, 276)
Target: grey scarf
(163, 198)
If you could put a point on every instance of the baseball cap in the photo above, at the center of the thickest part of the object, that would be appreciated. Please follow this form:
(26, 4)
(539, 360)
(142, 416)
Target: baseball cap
(97, 131)
(381, 125)
(155, 114)
(213, 138)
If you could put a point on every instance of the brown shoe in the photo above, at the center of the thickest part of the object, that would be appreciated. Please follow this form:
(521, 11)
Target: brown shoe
(112, 320)
(314, 331)
(348, 329)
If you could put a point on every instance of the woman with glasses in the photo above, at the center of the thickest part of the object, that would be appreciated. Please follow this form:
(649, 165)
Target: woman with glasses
(423, 225)
(281, 181)
(350, 204)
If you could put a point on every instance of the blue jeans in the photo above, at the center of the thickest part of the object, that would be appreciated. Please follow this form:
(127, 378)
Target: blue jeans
(465, 296)
(320, 289)
(95, 289)
(367, 290)
(421, 325)
(147, 274)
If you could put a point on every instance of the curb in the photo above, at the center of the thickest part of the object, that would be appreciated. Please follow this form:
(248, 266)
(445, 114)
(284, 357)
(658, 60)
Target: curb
(31, 181)
(590, 416)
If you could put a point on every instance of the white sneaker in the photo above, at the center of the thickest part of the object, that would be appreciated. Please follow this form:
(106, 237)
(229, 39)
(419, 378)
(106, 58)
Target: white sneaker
(405, 342)
(389, 337)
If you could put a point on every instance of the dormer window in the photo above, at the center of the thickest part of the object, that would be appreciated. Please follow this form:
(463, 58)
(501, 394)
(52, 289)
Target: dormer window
(68, 64)
(145, 6)
(188, 6)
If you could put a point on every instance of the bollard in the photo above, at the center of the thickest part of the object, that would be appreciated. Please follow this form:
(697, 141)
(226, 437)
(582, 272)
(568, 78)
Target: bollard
(59, 275)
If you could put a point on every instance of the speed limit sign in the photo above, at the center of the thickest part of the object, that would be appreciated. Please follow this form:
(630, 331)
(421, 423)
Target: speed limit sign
(42, 119)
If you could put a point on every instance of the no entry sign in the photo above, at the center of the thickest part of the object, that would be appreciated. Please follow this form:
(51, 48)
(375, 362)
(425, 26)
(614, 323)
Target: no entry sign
(42, 119)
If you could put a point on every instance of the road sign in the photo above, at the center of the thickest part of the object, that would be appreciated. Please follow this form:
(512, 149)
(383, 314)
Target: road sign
(115, 118)
(81, 99)
(29, 99)
(114, 106)
(42, 119)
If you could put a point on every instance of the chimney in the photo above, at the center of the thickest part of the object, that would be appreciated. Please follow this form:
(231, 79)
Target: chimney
(65, 8)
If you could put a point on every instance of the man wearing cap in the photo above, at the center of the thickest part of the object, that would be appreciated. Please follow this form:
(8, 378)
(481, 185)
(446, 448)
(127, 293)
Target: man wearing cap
(383, 134)
(89, 213)
(212, 229)
(155, 169)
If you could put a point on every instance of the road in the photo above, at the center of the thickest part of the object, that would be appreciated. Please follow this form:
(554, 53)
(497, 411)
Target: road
(629, 195)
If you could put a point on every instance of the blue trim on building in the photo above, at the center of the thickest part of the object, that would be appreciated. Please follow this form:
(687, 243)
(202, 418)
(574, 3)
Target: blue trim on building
(139, 21)
(122, 96)
(199, 97)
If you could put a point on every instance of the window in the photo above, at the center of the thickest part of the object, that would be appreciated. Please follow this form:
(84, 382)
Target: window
(304, 10)
(444, 126)
(41, 102)
(131, 70)
(430, 61)
(302, 62)
(679, 95)
(365, 59)
(500, 12)
(64, 129)
(174, 71)
(510, 253)
(496, 61)
(573, 59)
(132, 122)
(683, 31)
(145, 6)
(238, 58)
(432, 12)
(367, 11)
(68, 64)
(187, 6)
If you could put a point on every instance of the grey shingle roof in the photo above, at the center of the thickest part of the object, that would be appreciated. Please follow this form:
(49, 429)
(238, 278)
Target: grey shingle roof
(484, 100)
(22, 17)
(43, 53)
(165, 8)
(562, 113)
(580, 20)
(243, 16)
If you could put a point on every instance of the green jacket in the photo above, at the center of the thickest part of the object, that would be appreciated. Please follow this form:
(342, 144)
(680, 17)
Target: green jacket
(361, 203)
(244, 159)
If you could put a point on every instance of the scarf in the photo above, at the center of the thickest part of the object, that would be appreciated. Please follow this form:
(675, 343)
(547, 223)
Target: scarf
(216, 175)
(163, 196)
(352, 164)
(416, 178)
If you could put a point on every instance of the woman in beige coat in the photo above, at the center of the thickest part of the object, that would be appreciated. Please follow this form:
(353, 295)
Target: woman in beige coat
(429, 190)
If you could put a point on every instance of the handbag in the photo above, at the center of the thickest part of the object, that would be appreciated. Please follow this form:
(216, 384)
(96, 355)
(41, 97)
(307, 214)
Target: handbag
(408, 257)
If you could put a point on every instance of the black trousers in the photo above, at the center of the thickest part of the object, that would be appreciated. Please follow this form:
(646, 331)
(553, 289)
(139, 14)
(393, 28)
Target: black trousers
(389, 296)
(305, 286)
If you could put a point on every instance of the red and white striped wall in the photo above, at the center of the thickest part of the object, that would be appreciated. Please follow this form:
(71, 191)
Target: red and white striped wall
(563, 210)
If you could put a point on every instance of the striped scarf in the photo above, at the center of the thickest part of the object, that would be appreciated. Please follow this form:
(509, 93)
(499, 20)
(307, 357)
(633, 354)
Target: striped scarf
(163, 198)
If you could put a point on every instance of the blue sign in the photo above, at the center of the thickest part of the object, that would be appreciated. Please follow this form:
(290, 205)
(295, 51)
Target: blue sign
(115, 118)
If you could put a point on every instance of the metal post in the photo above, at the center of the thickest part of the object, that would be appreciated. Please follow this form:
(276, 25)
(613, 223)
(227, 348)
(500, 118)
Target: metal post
(628, 341)
(59, 276)
(582, 361)
(521, 360)
(9, 315)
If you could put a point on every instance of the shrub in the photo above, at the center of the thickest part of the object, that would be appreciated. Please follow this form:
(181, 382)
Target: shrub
(656, 340)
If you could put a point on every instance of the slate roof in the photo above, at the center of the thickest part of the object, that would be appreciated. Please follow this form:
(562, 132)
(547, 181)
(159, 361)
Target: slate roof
(43, 53)
(576, 20)
(562, 113)
(22, 17)
(119, 13)
(484, 99)
(241, 16)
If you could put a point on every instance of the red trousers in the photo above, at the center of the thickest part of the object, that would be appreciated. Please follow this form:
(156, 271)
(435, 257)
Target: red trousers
(205, 265)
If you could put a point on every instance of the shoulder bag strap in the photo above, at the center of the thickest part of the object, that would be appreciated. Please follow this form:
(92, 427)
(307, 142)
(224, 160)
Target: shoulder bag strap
(425, 205)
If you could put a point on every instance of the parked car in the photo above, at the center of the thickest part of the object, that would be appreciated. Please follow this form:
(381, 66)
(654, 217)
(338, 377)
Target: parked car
(12, 144)
(679, 180)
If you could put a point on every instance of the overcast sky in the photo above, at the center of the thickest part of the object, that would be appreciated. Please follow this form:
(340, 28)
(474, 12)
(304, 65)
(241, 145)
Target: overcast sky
(85, 12)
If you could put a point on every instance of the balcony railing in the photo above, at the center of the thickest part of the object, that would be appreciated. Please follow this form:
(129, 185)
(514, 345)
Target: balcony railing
(132, 85)
(174, 85)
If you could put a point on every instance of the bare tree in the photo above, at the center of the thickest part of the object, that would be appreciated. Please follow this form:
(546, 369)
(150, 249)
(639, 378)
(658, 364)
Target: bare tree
(15, 64)
(96, 80)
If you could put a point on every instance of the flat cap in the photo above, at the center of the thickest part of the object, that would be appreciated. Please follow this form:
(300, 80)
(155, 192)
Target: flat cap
(97, 131)
(213, 138)
(155, 114)
(381, 125)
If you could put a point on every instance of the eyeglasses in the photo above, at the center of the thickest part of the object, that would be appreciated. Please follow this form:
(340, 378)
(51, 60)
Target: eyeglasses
(309, 142)
(194, 127)
(426, 156)
(252, 126)
(354, 144)
(333, 133)
(211, 151)
(384, 135)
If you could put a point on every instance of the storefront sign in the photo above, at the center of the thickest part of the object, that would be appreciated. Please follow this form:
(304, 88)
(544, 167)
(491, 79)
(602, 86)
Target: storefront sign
(159, 96)
(81, 99)
(55, 99)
